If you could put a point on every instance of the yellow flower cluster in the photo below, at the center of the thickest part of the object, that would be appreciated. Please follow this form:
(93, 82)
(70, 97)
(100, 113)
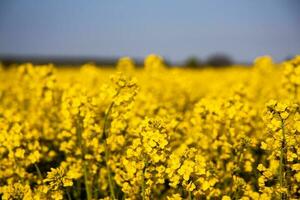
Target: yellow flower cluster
(282, 151)
(143, 167)
(150, 132)
(291, 81)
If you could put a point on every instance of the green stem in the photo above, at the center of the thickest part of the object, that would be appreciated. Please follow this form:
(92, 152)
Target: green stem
(105, 136)
(68, 194)
(143, 186)
(83, 150)
(38, 171)
(110, 179)
(104, 132)
(282, 159)
(190, 196)
(87, 185)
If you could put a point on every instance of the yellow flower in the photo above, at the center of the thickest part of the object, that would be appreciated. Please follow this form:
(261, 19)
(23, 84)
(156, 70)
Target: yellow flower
(20, 153)
(226, 197)
(57, 178)
(261, 168)
(174, 197)
(16, 191)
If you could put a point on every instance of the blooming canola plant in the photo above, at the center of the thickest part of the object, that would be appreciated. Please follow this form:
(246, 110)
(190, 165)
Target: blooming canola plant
(151, 132)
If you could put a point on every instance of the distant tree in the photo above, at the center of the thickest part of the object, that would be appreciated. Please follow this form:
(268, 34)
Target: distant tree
(167, 63)
(192, 62)
(219, 60)
(289, 57)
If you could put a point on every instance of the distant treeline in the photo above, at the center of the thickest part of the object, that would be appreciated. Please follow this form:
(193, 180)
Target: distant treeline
(59, 60)
(217, 60)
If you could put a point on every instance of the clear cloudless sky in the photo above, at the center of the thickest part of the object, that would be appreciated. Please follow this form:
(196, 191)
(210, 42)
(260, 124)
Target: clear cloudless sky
(175, 29)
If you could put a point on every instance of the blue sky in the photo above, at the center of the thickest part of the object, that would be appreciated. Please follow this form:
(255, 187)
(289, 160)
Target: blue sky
(175, 29)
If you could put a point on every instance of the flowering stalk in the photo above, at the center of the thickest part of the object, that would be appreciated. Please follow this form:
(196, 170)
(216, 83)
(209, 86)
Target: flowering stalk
(282, 159)
(85, 170)
(105, 134)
